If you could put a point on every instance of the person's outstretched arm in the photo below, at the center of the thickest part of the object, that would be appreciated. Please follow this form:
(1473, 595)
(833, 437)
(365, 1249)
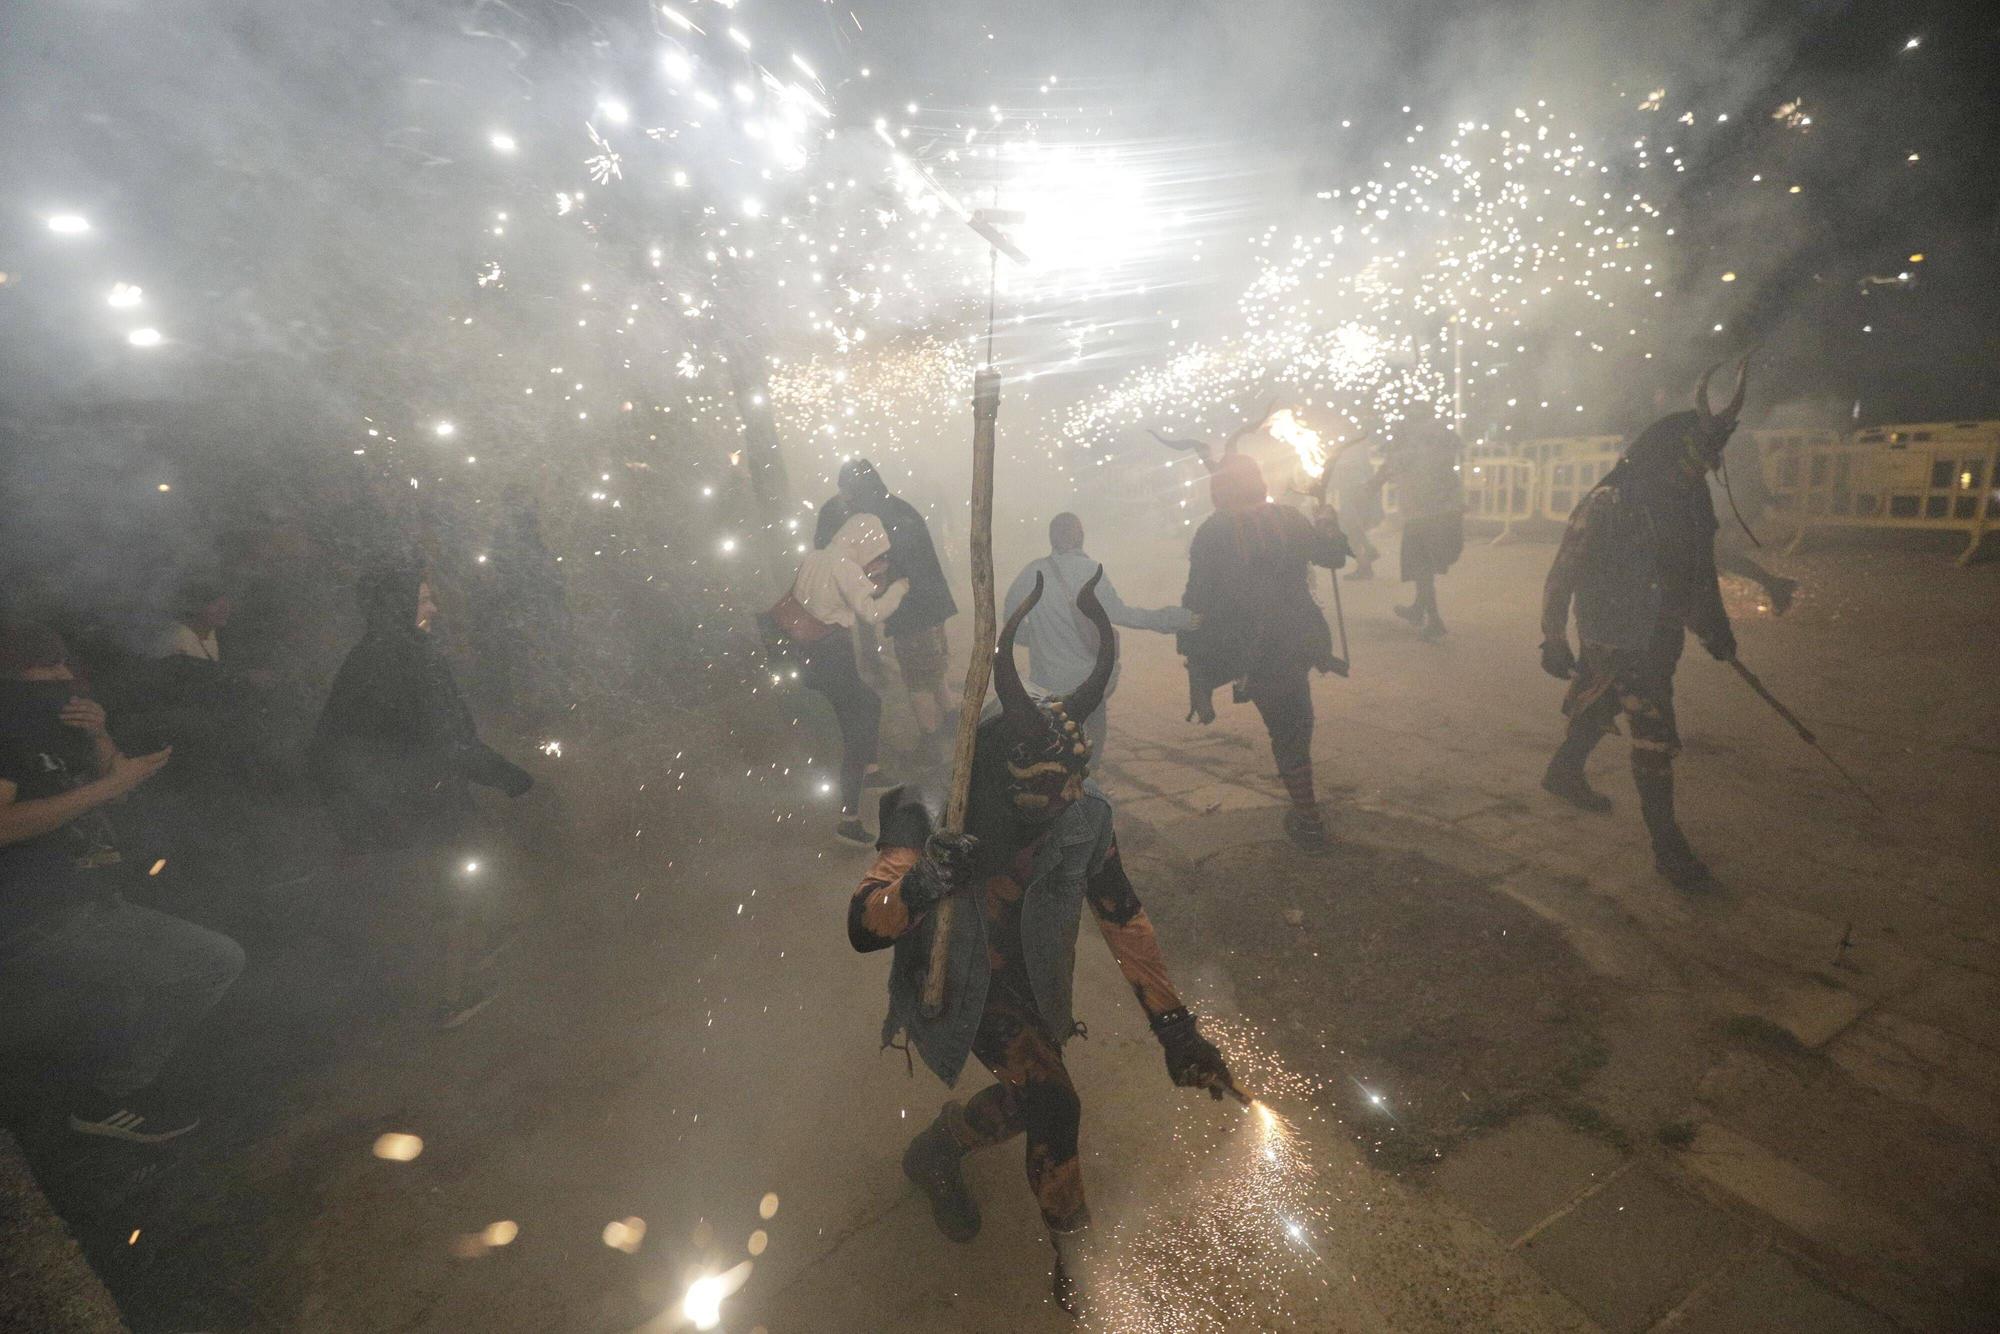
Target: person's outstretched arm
(1161, 620)
(1192, 1060)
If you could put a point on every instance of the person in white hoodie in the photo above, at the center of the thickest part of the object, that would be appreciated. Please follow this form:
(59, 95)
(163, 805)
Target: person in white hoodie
(835, 587)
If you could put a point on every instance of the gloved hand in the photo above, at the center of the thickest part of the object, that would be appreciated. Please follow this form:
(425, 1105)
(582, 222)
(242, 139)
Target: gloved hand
(1192, 1060)
(1329, 528)
(1721, 647)
(1557, 660)
(945, 866)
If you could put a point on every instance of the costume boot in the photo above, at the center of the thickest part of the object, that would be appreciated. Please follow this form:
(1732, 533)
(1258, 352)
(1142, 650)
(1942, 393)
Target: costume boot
(932, 1161)
(1076, 1277)
(1564, 776)
(1672, 857)
(1304, 824)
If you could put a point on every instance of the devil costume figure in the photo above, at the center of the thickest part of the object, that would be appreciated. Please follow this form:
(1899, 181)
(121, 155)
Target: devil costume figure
(1038, 845)
(1249, 580)
(1638, 561)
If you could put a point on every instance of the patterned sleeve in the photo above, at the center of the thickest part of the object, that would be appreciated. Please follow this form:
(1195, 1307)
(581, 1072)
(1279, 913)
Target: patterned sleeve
(1129, 933)
(876, 916)
(1567, 569)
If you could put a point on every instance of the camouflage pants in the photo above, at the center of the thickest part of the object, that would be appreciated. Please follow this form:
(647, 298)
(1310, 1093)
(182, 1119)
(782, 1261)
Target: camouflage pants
(1034, 1096)
(1636, 682)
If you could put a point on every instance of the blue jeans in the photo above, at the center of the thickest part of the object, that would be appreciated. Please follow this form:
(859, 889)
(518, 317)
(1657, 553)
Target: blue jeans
(109, 989)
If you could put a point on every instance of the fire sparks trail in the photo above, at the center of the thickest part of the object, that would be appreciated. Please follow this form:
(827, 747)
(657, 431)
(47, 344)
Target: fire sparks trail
(1236, 1244)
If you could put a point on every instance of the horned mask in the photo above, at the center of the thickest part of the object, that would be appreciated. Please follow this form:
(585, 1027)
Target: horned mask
(1048, 753)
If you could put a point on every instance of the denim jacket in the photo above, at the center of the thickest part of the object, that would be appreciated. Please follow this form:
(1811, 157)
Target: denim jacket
(1051, 909)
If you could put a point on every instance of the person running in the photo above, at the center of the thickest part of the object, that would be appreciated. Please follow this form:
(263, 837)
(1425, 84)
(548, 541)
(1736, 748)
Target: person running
(1061, 641)
(836, 588)
(1249, 580)
(916, 630)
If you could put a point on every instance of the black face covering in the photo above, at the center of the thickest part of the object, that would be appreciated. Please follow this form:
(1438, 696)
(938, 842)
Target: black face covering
(33, 708)
(31, 712)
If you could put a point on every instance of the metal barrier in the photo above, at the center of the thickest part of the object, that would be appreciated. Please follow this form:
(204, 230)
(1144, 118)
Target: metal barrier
(1566, 479)
(1499, 490)
(1942, 478)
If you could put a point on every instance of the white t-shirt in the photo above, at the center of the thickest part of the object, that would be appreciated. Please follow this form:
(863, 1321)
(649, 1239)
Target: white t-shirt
(182, 641)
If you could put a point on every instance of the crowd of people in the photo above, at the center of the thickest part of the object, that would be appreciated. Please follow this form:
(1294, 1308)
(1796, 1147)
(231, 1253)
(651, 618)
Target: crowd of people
(114, 768)
(101, 987)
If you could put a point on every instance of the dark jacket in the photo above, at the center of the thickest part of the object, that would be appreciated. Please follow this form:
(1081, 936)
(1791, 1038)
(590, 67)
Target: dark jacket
(1249, 580)
(1072, 851)
(1640, 547)
(912, 554)
(395, 748)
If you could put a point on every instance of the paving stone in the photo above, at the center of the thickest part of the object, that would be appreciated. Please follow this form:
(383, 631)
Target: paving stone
(1518, 1176)
(1915, 1061)
(1632, 1251)
(1809, 1206)
(1771, 1296)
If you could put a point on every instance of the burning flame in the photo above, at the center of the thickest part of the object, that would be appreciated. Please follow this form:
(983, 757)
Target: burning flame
(1285, 427)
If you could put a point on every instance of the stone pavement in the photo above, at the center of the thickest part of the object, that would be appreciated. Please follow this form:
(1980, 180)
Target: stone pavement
(1804, 1061)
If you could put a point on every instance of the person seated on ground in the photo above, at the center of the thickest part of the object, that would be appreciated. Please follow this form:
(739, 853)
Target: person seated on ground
(395, 754)
(216, 811)
(836, 589)
(1061, 641)
(201, 609)
(108, 989)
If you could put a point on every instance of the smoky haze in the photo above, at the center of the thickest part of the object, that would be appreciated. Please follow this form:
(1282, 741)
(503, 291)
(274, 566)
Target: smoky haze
(306, 203)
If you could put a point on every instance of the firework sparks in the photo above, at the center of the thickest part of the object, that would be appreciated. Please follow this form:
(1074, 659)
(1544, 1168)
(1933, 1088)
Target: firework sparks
(1209, 1259)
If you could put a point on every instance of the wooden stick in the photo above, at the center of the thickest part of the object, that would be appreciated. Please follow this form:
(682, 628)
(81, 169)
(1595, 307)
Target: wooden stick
(978, 674)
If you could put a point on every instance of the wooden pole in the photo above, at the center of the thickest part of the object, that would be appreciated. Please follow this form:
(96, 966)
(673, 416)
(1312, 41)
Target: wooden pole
(978, 673)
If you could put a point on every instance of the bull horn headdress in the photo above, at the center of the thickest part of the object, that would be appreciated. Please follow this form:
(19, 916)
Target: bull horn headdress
(1017, 706)
(1211, 459)
(1709, 417)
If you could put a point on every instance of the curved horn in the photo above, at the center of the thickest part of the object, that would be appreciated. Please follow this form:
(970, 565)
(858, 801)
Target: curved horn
(1701, 407)
(1199, 448)
(1083, 701)
(1016, 705)
(1742, 383)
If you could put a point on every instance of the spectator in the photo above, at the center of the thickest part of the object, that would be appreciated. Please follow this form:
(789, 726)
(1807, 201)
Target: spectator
(835, 588)
(395, 754)
(917, 628)
(1423, 463)
(1358, 504)
(201, 609)
(1061, 642)
(108, 988)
